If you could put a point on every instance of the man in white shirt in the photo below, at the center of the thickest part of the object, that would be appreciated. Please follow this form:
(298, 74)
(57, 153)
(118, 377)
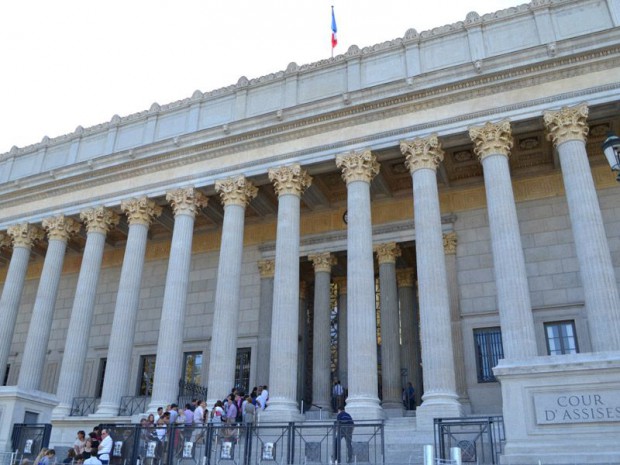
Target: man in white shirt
(105, 447)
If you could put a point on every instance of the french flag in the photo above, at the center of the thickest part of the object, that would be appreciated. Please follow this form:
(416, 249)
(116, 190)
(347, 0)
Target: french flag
(334, 30)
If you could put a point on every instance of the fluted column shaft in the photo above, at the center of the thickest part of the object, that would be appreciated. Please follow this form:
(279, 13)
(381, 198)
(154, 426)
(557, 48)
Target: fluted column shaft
(303, 388)
(59, 228)
(321, 353)
(409, 353)
(390, 342)
(23, 236)
(492, 144)
(169, 367)
(363, 403)
(342, 333)
(449, 245)
(98, 221)
(140, 213)
(266, 268)
(235, 193)
(440, 398)
(289, 182)
(568, 131)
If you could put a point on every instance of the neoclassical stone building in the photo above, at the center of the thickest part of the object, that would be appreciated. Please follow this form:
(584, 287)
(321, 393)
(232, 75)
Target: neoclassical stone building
(434, 209)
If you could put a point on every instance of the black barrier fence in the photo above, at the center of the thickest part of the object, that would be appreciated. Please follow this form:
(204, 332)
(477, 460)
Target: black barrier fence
(481, 439)
(27, 439)
(244, 444)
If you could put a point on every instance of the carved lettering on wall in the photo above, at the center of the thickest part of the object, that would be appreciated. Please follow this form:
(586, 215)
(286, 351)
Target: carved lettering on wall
(600, 406)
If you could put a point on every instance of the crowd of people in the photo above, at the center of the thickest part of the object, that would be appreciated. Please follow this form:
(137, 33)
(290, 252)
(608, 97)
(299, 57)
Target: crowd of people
(92, 449)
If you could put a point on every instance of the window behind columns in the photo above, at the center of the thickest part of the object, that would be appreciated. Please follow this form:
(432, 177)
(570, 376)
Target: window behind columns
(489, 350)
(147, 373)
(242, 369)
(192, 368)
(101, 376)
(561, 338)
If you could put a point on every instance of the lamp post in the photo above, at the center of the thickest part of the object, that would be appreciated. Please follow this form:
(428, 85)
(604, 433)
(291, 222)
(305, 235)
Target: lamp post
(611, 149)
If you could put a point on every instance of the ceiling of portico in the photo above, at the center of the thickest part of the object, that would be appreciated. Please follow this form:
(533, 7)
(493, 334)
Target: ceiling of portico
(532, 155)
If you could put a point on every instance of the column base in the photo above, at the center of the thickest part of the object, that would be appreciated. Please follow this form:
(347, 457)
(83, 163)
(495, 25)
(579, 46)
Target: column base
(14, 403)
(437, 405)
(280, 410)
(364, 408)
(61, 411)
(561, 409)
(106, 409)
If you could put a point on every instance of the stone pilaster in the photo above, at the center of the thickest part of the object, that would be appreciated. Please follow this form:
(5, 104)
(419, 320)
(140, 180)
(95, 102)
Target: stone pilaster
(23, 236)
(568, 130)
(449, 246)
(140, 213)
(97, 221)
(321, 353)
(59, 229)
(423, 155)
(492, 144)
(343, 372)
(185, 203)
(390, 328)
(410, 330)
(235, 194)
(266, 269)
(358, 170)
(289, 183)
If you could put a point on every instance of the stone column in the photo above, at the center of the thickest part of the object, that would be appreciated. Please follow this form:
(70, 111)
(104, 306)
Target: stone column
(140, 213)
(321, 353)
(410, 330)
(449, 247)
(358, 169)
(235, 194)
(23, 236)
(342, 331)
(185, 204)
(492, 144)
(568, 130)
(59, 229)
(303, 388)
(98, 222)
(289, 183)
(390, 329)
(440, 398)
(266, 269)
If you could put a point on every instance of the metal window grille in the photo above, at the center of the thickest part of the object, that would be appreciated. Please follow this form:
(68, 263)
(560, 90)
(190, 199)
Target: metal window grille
(489, 350)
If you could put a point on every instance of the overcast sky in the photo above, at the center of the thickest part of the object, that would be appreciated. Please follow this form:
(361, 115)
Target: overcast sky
(65, 63)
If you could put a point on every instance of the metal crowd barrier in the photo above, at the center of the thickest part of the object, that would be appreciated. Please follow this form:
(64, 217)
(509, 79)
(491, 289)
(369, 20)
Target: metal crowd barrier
(480, 439)
(245, 444)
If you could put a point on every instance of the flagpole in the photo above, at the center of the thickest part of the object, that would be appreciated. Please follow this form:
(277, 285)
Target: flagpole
(332, 47)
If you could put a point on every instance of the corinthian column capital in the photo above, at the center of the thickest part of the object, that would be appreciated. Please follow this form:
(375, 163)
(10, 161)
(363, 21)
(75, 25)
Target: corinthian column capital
(236, 191)
(140, 211)
(358, 166)
(404, 277)
(387, 252)
(322, 262)
(491, 139)
(422, 153)
(60, 227)
(290, 179)
(449, 243)
(99, 219)
(24, 234)
(567, 124)
(186, 201)
(266, 268)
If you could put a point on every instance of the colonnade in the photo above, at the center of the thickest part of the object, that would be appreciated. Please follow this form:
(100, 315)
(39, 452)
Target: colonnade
(278, 345)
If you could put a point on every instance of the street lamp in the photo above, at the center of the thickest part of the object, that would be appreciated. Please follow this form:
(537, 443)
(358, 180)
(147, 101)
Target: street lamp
(611, 149)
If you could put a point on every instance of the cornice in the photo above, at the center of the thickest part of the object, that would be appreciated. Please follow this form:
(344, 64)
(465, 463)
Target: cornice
(515, 78)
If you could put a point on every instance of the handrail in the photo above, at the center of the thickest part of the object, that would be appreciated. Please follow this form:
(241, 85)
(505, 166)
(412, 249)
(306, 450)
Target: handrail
(82, 406)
